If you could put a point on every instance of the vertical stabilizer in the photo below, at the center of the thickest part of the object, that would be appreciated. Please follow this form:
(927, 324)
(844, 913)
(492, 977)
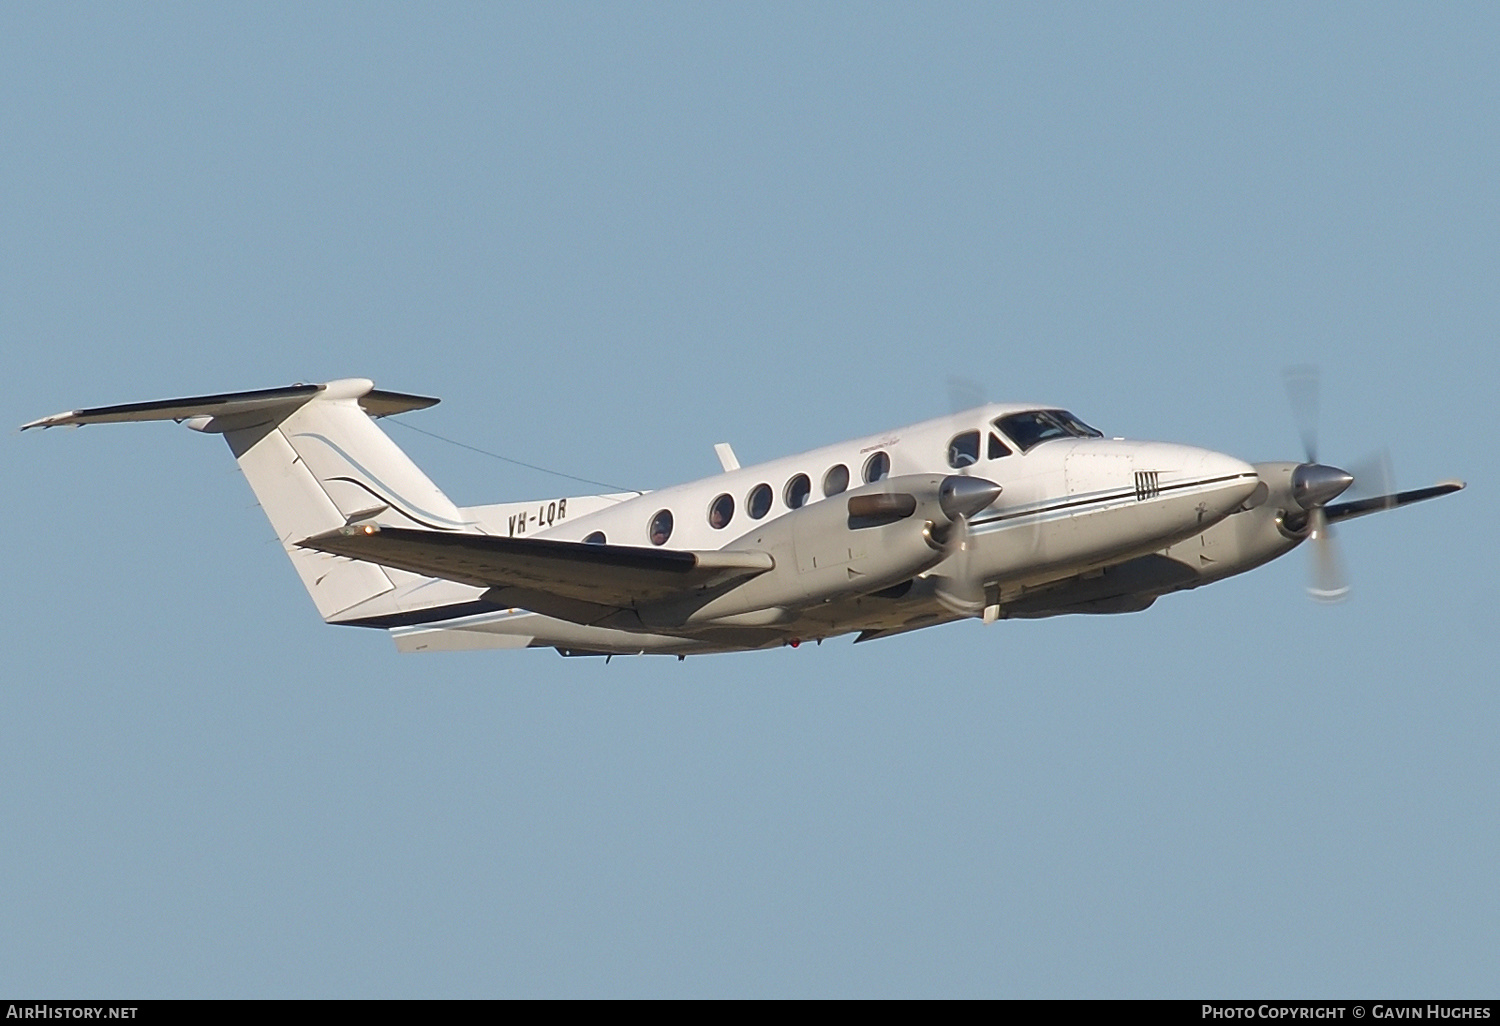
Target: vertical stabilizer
(326, 464)
(296, 505)
(316, 461)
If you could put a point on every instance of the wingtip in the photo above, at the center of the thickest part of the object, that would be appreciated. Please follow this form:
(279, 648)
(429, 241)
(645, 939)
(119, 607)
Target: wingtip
(317, 541)
(56, 420)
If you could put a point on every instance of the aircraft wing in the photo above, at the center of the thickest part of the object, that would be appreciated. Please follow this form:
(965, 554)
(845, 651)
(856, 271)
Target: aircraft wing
(620, 576)
(1360, 507)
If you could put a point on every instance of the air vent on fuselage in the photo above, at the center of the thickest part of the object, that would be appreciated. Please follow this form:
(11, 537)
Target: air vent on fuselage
(1147, 485)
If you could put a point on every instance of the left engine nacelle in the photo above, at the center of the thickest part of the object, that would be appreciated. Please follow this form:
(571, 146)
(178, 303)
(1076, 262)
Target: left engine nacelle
(851, 544)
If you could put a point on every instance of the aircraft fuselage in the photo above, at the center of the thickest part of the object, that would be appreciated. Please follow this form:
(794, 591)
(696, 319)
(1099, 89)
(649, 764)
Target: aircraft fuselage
(1003, 511)
(1068, 506)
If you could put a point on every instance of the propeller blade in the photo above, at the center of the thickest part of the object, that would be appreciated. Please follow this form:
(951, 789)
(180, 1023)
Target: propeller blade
(1373, 476)
(963, 395)
(955, 586)
(1328, 581)
(1302, 390)
(955, 589)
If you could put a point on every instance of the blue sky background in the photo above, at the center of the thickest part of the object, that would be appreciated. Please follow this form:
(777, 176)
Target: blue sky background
(612, 235)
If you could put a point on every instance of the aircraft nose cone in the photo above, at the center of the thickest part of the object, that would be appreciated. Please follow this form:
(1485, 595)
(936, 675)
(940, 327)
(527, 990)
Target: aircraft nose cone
(962, 497)
(1314, 484)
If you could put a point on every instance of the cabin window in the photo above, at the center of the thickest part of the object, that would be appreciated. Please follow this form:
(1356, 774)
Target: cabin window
(758, 502)
(797, 491)
(597, 538)
(997, 447)
(720, 512)
(836, 480)
(877, 467)
(661, 527)
(963, 450)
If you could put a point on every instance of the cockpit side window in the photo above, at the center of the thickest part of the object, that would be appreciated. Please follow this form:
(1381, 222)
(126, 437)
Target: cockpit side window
(1031, 428)
(997, 447)
(963, 450)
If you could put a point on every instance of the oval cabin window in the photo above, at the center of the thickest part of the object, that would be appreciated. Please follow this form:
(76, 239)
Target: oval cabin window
(758, 503)
(797, 491)
(836, 480)
(720, 512)
(661, 527)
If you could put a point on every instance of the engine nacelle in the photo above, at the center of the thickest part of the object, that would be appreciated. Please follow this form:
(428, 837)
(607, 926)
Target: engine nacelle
(1270, 524)
(1275, 525)
(851, 544)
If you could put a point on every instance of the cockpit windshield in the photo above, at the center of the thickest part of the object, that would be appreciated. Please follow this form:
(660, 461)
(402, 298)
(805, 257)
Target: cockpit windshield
(1076, 427)
(1037, 426)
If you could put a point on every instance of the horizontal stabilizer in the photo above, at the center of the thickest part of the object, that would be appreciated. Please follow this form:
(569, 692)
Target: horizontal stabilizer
(374, 402)
(621, 576)
(1360, 507)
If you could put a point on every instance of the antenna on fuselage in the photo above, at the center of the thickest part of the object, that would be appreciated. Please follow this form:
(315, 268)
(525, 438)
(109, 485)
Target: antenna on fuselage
(727, 459)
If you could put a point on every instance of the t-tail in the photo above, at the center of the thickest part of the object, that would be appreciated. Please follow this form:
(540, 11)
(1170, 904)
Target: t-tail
(317, 462)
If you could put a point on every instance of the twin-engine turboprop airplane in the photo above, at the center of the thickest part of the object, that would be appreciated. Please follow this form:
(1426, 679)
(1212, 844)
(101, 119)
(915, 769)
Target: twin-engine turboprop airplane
(1002, 511)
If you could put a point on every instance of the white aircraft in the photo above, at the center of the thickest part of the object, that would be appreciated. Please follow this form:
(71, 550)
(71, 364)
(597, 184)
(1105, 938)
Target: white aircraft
(1002, 511)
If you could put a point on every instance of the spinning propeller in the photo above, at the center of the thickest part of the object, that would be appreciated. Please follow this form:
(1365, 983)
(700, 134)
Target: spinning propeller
(944, 524)
(960, 497)
(1314, 485)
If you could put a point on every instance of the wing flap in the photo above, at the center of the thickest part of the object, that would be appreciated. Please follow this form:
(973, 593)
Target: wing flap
(619, 576)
